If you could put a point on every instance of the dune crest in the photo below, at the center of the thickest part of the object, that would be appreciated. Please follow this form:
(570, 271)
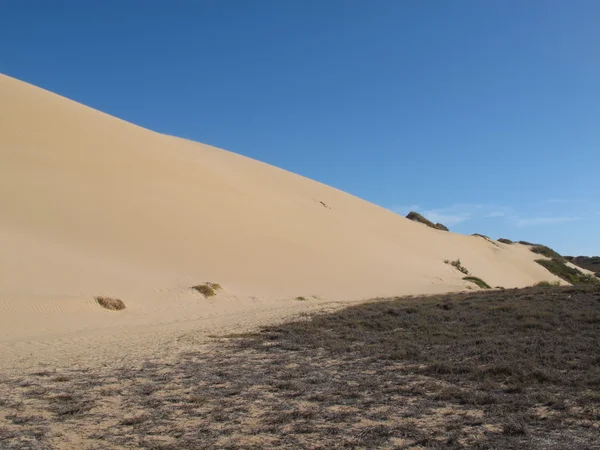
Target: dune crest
(93, 206)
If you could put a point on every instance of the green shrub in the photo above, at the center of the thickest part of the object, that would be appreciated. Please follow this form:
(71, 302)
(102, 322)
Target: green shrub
(478, 281)
(546, 251)
(457, 265)
(416, 217)
(505, 241)
(561, 270)
(526, 243)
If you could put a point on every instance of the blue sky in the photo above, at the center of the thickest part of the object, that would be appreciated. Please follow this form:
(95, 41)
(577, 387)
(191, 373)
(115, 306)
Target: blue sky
(482, 115)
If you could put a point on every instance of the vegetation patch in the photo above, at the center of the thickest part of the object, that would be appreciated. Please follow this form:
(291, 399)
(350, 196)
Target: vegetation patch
(114, 304)
(506, 369)
(526, 243)
(546, 251)
(416, 217)
(301, 298)
(457, 265)
(547, 284)
(478, 281)
(505, 241)
(208, 289)
(591, 263)
(570, 274)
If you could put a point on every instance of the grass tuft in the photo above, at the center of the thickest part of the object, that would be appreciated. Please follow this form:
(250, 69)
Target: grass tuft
(208, 289)
(478, 281)
(457, 265)
(114, 304)
(505, 241)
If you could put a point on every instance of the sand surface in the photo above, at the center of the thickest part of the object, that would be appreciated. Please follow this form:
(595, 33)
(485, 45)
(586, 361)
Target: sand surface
(91, 205)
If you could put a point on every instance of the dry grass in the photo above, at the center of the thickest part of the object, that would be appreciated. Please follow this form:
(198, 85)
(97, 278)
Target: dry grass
(114, 304)
(457, 265)
(498, 369)
(207, 289)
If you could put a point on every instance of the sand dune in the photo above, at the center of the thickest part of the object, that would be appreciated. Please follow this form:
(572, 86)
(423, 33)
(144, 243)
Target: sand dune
(92, 205)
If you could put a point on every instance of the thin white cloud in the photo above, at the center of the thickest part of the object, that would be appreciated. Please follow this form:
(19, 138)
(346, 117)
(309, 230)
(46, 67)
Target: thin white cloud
(449, 219)
(496, 214)
(539, 221)
(463, 212)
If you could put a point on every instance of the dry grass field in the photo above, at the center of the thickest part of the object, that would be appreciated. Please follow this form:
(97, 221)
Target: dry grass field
(498, 369)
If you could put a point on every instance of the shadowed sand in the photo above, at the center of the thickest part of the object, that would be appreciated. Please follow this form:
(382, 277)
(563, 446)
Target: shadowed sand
(94, 206)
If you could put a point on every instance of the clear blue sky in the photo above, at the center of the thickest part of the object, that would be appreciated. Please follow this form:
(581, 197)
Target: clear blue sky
(484, 115)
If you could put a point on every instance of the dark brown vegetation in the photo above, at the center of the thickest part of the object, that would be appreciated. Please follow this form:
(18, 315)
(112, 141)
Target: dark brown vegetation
(416, 217)
(505, 241)
(547, 284)
(207, 289)
(591, 263)
(505, 369)
(114, 304)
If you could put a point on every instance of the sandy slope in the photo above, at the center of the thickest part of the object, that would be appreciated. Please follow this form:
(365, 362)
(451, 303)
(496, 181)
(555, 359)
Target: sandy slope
(92, 205)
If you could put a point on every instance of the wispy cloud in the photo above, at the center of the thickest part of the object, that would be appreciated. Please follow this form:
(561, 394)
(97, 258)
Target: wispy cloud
(539, 221)
(463, 212)
(446, 217)
(404, 210)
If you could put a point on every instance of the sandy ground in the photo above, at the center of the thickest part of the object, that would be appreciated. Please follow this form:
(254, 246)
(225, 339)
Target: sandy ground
(95, 206)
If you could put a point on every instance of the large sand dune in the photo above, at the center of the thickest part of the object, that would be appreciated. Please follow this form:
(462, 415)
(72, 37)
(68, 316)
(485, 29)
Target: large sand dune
(92, 205)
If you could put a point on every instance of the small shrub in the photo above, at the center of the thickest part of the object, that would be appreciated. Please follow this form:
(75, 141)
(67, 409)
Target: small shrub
(301, 298)
(526, 243)
(487, 238)
(457, 265)
(546, 251)
(416, 217)
(505, 241)
(114, 304)
(478, 281)
(208, 289)
(547, 284)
